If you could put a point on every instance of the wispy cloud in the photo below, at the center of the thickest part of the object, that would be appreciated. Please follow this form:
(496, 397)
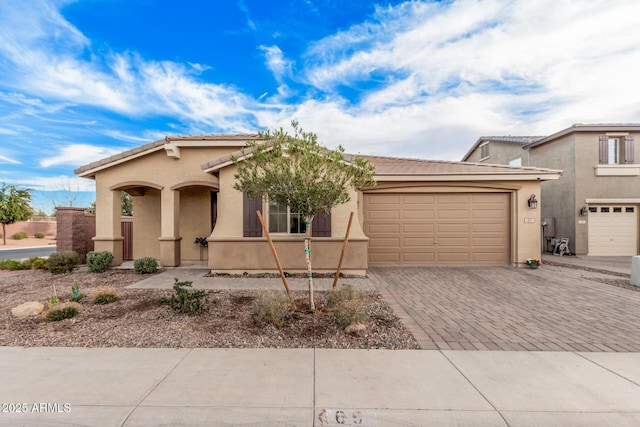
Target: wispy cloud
(4, 159)
(78, 154)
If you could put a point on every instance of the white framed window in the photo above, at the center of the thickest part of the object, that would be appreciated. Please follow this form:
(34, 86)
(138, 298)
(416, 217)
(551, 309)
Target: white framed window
(516, 162)
(613, 148)
(283, 221)
(484, 151)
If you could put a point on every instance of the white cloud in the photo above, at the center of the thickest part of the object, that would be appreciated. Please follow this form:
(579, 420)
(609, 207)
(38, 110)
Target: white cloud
(4, 159)
(78, 154)
(60, 183)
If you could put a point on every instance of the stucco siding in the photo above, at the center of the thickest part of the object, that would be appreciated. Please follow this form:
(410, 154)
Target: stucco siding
(557, 197)
(195, 221)
(500, 153)
(146, 224)
(590, 186)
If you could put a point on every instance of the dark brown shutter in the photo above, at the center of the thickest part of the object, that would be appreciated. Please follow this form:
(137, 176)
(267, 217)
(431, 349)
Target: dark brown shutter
(604, 149)
(250, 224)
(628, 149)
(321, 225)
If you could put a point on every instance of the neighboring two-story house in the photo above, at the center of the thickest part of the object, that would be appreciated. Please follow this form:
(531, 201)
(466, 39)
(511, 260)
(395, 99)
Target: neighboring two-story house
(596, 200)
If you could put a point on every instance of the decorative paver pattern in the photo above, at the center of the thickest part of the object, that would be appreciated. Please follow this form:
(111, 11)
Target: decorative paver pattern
(504, 308)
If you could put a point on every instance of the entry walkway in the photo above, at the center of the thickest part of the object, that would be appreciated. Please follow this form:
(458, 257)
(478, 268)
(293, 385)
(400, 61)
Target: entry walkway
(309, 387)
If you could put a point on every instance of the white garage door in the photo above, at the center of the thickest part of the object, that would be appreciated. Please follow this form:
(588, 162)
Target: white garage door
(436, 229)
(613, 230)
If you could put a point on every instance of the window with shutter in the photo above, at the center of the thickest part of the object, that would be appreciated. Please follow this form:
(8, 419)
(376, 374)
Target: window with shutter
(250, 223)
(604, 150)
(628, 150)
(321, 226)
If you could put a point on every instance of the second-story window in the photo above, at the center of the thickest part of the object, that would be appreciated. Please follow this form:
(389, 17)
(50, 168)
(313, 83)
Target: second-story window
(484, 151)
(613, 148)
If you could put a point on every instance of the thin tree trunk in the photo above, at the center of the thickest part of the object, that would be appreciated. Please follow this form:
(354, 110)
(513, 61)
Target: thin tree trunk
(307, 253)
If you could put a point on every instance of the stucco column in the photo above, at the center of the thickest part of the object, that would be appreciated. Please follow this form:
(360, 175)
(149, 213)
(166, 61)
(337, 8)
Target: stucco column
(170, 228)
(108, 229)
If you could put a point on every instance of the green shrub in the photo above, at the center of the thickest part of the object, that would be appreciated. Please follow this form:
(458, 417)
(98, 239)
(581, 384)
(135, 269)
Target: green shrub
(39, 235)
(348, 305)
(99, 262)
(271, 308)
(104, 295)
(20, 235)
(63, 262)
(186, 300)
(12, 264)
(146, 265)
(37, 263)
(63, 311)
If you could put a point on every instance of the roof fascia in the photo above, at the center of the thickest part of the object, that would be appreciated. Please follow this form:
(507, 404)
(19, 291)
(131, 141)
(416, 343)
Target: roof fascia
(584, 128)
(471, 177)
(89, 173)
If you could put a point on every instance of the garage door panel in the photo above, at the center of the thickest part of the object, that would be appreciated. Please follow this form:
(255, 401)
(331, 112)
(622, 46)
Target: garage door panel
(417, 215)
(382, 228)
(385, 242)
(453, 214)
(456, 228)
(421, 228)
(393, 215)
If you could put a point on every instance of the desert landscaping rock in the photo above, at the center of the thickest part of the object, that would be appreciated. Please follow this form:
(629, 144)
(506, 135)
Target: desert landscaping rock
(356, 329)
(27, 309)
(139, 319)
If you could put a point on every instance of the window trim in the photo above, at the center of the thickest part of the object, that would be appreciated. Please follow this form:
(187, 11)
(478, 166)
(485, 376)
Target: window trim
(283, 233)
(484, 147)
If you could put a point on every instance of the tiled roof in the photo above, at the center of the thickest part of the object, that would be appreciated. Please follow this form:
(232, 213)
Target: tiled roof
(522, 140)
(402, 166)
(581, 127)
(160, 143)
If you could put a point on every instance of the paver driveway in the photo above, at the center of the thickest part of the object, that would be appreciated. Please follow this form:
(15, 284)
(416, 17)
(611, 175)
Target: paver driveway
(504, 308)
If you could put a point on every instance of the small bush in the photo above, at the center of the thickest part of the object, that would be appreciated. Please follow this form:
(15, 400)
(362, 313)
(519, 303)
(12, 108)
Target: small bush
(349, 305)
(63, 311)
(39, 235)
(271, 308)
(99, 262)
(37, 263)
(12, 264)
(76, 295)
(146, 265)
(20, 235)
(188, 301)
(104, 295)
(63, 262)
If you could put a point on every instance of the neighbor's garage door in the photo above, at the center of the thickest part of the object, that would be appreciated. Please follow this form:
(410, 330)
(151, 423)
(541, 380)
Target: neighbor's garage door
(613, 230)
(431, 228)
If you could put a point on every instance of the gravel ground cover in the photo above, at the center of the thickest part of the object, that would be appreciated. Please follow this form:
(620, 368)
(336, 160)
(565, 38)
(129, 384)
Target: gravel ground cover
(139, 319)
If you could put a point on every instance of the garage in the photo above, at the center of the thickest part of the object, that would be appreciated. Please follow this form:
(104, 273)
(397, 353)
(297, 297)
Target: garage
(613, 230)
(437, 228)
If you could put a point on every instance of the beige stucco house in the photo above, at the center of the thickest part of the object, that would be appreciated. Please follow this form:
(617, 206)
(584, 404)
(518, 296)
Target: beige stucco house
(596, 201)
(421, 212)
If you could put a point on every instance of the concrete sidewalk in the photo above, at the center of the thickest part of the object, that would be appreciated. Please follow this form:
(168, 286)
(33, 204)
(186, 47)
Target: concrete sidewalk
(305, 387)
(619, 265)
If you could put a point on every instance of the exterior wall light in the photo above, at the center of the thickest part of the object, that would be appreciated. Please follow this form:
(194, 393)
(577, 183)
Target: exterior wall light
(533, 203)
(584, 211)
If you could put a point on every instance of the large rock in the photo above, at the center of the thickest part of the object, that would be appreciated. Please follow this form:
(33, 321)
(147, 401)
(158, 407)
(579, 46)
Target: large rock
(31, 308)
(356, 329)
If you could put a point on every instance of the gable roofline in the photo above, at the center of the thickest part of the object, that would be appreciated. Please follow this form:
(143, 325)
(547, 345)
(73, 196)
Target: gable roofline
(580, 127)
(522, 140)
(399, 168)
(169, 143)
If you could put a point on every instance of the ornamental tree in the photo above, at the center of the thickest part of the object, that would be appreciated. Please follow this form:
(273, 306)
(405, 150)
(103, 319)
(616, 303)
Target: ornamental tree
(14, 207)
(295, 171)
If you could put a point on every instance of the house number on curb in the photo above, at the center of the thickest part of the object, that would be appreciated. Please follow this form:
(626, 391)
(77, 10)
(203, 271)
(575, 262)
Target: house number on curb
(340, 417)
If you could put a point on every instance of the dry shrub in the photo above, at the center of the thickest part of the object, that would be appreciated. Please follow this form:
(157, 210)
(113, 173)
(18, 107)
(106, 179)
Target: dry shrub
(104, 295)
(348, 305)
(271, 308)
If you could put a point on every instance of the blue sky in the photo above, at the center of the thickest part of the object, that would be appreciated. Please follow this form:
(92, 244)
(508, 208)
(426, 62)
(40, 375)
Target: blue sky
(82, 80)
